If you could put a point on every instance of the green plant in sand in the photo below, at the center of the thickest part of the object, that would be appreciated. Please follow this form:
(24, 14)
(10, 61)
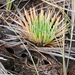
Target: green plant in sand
(41, 28)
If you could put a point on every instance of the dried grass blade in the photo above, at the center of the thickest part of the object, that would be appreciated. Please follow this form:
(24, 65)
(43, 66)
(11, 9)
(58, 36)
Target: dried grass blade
(34, 13)
(49, 14)
(27, 16)
(61, 28)
(22, 18)
(54, 18)
(48, 42)
(41, 14)
(22, 24)
(60, 34)
(31, 14)
(58, 19)
(15, 21)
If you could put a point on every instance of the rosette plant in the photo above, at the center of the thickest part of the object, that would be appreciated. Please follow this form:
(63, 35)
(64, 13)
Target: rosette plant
(42, 28)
